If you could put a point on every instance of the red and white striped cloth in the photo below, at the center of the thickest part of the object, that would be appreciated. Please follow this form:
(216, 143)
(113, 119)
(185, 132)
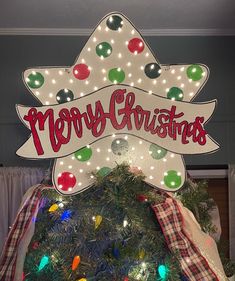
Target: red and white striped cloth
(194, 265)
(18, 230)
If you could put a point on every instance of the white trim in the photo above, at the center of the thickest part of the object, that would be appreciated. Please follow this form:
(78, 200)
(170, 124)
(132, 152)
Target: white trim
(144, 32)
(208, 174)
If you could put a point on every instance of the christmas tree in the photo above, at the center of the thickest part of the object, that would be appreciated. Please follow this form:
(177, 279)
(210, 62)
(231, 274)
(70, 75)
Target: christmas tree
(110, 232)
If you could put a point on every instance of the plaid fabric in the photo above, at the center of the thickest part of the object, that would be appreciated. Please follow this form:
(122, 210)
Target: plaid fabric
(22, 221)
(194, 265)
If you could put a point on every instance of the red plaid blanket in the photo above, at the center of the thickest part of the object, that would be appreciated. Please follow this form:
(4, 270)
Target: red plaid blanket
(194, 265)
(22, 221)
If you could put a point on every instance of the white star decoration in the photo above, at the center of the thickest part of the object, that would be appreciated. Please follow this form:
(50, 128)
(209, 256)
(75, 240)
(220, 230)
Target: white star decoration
(116, 53)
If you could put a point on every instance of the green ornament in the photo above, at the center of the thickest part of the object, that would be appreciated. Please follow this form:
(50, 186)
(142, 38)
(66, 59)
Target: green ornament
(152, 70)
(175, 94)
(35, 80)
(172, 179)
(104, 49)
(116, 75)
(114, 23)
(194, 72)
(104, 171)
(64, 95)
(157, 152)
(83, 154)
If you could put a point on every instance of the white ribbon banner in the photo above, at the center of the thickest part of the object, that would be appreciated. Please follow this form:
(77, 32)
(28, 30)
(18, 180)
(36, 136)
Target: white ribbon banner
(59, 130)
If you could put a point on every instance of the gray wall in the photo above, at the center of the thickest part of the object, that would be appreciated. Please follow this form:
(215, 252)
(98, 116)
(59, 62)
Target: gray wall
(20, 52)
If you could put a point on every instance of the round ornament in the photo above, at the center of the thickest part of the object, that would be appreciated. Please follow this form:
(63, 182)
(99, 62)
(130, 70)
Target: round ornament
(195, 72)
(116, 75)
(157, 152)
(120, 146)
(136, 45)
(114, 23)
(64, 95)
(35, 80)
(83, 154)
(104, 49)
(172, 179)
(104, 171)
(66, 181)
(81, 71)
(152, 70)
(175, 93)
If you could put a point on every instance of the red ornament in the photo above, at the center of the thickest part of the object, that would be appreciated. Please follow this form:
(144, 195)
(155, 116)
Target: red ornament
(81, 71)
(125, 279)
(66, 181)
(136, 45)
(35, 245)
(142, 198)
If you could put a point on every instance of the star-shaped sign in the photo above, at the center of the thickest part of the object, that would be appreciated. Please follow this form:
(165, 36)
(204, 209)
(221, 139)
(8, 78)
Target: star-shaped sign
(116, 104)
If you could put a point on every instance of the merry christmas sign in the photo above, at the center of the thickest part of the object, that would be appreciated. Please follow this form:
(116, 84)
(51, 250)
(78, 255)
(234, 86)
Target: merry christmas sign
(116, 104)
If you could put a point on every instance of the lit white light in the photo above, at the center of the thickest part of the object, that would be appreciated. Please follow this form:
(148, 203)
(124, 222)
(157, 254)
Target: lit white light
(97, 168)
(173, 71)
(140, 142)
(125, 223)
(70, 189)
(133, 32)
(81, 170)
(71, 81)
(88, 163)
(46, 72)
(70, 166)
(147, 54)
(182, 68)
(61, 205)
(50, 95)
(60, 72)
(94, 39)
(178, 77)
(61, 163)
(119, 55)
(79, 183)
(151, 168)
(150, 177)
(128, 64)
(37, 93)
(98, 149)
(129, 75)
(53, 81)
(164, 81)
(89, 49)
